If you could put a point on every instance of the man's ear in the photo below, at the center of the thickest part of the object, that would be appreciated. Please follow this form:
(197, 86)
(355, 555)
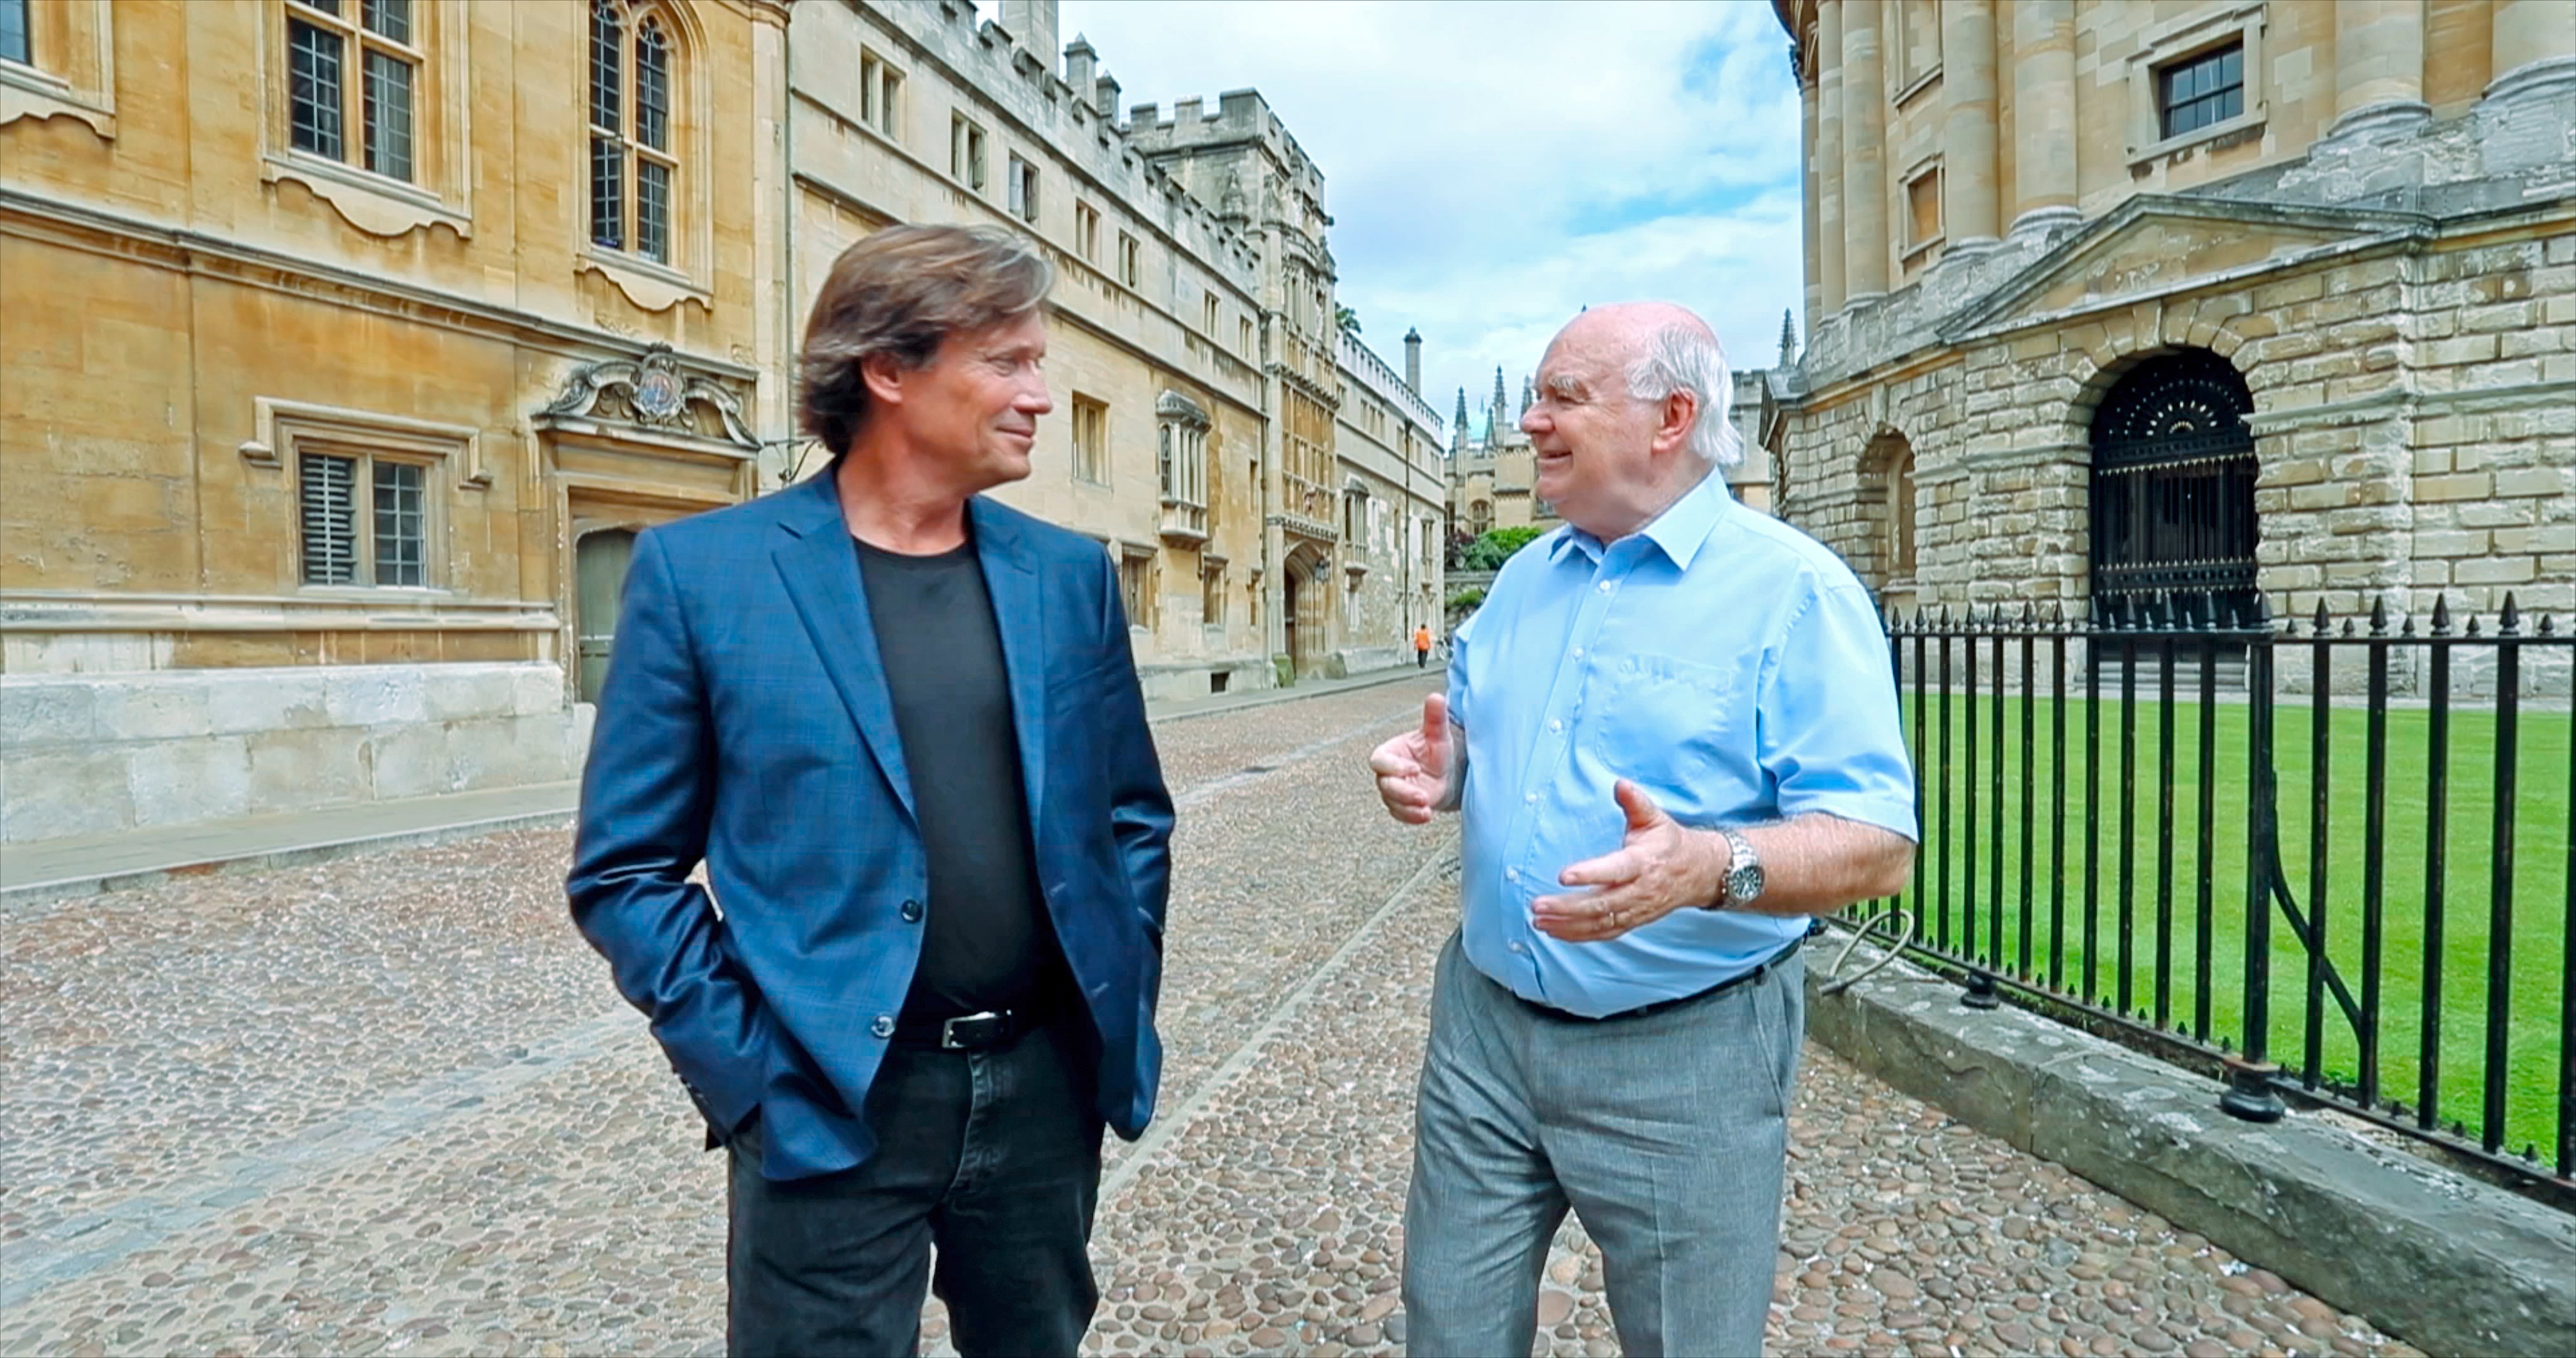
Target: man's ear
(1680, 411)
(885, 378)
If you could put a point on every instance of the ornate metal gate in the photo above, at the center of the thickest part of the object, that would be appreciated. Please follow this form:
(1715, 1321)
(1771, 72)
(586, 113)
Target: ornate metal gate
(2173, 491)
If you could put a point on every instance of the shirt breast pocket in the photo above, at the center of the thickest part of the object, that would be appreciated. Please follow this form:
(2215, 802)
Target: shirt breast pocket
(1682, 729)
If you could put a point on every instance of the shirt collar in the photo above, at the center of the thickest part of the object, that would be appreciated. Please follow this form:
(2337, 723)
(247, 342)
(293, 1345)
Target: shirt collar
(1679, 531)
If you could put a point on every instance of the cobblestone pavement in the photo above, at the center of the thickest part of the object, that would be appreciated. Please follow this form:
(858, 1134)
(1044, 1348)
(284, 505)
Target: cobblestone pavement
(390, 1105)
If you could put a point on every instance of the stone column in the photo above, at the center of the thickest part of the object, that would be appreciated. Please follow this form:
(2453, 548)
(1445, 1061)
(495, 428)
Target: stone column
(2379, 64)
(1810, 171)
(1969, 215)
(1829, 157)
(1864, 154)
(2534, 45)
(2044, 179)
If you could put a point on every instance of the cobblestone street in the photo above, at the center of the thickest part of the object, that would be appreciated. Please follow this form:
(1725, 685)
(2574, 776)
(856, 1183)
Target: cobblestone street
(391, 1104)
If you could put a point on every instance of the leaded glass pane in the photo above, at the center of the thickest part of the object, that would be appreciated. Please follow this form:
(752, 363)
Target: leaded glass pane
(402, 537)
(653, 88)
(653, 210)
(389, 19)
(604, 72)
(607, 193)
(313, 91)
(389, 115)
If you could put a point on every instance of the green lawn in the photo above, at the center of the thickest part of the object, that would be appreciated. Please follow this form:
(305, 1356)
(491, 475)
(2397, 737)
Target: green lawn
(2207, 1000)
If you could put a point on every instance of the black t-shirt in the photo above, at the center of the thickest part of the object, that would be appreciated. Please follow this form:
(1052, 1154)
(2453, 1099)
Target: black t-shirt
(987, 942)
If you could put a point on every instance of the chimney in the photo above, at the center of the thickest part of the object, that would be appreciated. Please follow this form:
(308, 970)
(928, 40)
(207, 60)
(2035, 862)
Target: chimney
(1080, 63)
(1413, 361)
(1104, 97)
(1032, 22)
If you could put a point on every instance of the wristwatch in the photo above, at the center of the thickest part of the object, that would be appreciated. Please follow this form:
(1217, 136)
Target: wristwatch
(1743, 881)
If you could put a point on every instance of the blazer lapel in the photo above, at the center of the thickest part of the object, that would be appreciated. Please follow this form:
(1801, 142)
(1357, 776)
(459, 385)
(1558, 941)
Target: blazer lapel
(1019, 615)
(820, 569)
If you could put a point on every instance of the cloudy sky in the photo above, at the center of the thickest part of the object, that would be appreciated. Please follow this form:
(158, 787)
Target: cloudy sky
(1493, 165)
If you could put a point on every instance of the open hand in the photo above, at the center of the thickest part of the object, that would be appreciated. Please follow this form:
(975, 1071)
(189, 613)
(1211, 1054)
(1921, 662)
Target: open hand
(1660, 867)
(1413, 769)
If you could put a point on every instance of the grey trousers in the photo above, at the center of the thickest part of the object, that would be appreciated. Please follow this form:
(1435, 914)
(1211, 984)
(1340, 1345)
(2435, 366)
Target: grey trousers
(1666, 1134)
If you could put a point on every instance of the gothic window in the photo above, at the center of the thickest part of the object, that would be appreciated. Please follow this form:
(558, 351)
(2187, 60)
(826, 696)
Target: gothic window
(351, 66)
(1136, 586)
(880, 94)
(1090, 440)
(1024, 189)
(965, 152)
(633, 168)
(1212, 596)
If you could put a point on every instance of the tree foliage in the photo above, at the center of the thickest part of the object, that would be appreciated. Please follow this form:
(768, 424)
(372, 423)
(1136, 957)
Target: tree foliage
(1495, 546)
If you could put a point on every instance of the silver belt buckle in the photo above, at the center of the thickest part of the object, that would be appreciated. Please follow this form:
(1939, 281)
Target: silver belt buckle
(948, 1029)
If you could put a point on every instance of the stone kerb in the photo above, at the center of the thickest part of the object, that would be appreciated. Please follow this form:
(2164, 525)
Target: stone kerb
(2448, 1262)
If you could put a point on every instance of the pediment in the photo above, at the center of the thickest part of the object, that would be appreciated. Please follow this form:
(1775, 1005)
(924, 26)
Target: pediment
(2152, 245)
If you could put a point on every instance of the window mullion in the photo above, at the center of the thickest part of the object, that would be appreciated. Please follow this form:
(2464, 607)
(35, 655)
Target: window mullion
(362, 519)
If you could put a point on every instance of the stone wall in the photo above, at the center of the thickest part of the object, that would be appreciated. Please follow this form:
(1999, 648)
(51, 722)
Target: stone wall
(98, 753)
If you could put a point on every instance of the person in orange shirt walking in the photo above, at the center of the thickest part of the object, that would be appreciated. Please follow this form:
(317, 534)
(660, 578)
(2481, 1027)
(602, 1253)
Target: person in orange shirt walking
(1422, 646)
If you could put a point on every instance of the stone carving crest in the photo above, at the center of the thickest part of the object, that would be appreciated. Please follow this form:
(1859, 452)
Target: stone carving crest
(651, 391)
(1230, 203)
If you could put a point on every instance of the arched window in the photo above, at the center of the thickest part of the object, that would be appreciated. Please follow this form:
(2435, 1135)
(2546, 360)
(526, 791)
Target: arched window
(633, 64)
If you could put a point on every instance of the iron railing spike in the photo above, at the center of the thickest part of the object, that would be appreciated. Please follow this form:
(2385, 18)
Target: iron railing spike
(2473, 624)
(2348, 628)
(2406, 628)
(2548, 625)
(2441, 614)
(2379, 616)
(2509, 623)
(2321, 615)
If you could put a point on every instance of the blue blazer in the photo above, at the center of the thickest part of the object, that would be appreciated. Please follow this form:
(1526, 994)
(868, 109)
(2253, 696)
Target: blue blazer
(746, 724)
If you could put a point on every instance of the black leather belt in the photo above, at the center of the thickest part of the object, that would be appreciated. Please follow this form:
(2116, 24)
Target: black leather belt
(1743, 978)
(972, 1032)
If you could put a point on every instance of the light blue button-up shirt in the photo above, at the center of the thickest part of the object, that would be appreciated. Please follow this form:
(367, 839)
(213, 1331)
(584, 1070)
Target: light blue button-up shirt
(1728, 664)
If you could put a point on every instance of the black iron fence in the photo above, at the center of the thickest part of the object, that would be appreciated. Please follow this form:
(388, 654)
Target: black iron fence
(2335, 861)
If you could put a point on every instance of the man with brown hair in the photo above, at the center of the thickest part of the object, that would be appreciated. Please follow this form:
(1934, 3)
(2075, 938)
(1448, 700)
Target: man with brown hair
(899, 725)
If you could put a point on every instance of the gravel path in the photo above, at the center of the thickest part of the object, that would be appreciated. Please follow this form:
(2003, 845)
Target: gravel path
(390, 1105)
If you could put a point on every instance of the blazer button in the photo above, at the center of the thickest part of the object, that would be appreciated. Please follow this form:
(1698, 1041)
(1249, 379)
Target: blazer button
(884, 1026)
(912, 912)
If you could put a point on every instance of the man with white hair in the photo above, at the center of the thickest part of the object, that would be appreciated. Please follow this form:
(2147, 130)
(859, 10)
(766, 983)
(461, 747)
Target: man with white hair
(1672, 733)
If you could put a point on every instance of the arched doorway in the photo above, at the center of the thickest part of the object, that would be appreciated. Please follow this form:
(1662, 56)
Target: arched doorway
(2173, 489)
(599, 576)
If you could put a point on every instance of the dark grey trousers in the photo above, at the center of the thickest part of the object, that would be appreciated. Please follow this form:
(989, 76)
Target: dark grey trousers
(993, 1156)
(1667, 1135)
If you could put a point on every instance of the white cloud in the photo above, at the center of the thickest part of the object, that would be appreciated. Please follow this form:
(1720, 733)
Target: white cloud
(1493, 167)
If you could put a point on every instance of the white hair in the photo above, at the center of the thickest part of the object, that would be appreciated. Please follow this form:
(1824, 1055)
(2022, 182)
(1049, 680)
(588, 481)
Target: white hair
(1683, 357)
